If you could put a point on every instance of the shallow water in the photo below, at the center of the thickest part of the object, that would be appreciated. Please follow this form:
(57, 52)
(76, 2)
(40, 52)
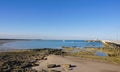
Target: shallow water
(52, 44)
(100, 53)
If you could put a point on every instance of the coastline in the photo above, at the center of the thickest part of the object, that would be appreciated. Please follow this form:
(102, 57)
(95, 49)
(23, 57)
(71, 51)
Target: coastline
(7, 49)
(83, 59)
(38, 59)
(3, 41)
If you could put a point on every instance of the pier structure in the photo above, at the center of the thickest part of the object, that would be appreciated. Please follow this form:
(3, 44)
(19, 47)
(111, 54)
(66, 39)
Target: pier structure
(115, 44)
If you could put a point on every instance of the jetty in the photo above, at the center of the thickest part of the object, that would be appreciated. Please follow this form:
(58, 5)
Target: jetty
(112, 42)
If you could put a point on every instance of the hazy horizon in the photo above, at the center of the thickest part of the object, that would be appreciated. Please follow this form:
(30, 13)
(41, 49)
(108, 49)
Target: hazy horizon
(60, 19)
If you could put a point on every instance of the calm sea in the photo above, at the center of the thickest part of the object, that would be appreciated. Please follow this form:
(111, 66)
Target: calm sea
(51, 44)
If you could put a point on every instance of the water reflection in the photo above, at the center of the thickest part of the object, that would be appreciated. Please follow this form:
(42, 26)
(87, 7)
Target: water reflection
(100, 53)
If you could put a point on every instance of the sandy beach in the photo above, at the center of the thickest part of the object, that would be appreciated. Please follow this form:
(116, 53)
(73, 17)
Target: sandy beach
(81, 65)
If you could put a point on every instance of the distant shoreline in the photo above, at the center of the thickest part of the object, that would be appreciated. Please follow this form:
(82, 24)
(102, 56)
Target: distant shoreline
(3, 41)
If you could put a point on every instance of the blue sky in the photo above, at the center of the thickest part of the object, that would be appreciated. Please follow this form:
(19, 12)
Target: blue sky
(60, 19)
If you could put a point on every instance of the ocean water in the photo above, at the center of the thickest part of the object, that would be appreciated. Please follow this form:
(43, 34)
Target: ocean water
(52, 44)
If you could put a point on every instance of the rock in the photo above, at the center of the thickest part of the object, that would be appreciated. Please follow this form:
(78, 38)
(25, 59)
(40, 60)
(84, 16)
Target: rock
(51, 65)
(55, 71)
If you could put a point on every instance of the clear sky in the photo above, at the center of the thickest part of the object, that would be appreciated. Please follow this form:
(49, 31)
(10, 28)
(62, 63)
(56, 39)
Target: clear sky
(60, 19)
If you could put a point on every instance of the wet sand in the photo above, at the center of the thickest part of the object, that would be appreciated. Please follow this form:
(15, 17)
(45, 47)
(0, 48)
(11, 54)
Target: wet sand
(7, 49)
(81, 65)
(2, 48)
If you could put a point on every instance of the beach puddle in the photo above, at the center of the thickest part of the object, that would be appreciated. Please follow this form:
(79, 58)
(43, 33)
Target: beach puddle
(100, 53)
